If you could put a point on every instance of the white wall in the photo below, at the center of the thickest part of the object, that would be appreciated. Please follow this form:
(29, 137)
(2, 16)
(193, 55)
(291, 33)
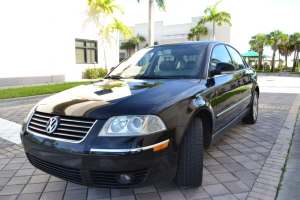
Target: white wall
(38, 38)
(164, 34)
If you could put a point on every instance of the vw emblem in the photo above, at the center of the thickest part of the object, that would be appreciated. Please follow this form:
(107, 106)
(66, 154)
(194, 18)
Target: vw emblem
(52, 124)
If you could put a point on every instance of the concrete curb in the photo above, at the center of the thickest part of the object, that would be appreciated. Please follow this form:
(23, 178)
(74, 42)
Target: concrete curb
(290, 182)
(22, 100)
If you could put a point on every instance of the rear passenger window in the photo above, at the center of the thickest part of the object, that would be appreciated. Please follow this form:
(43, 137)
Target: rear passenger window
(237, 60)
(219, 54)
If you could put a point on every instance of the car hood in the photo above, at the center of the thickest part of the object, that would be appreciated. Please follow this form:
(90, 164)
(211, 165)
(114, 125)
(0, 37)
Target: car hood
(109, 97)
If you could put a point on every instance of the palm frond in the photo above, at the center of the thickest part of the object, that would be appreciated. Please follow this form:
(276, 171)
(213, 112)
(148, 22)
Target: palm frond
(161, 5)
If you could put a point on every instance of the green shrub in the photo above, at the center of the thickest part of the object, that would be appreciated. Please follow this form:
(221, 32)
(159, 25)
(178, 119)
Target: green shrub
(287, 68)
(102, 72)
(94, 73)
(91, 73)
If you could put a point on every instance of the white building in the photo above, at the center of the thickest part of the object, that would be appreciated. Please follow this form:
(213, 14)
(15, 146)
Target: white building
(164, 34)
(54, 41)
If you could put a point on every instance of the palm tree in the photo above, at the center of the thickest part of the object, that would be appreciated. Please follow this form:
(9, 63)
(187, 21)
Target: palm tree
(286, 49)
(106, 36)
(121, 28)
(213, 15)
(162, 6)
(274, 39)
(104, 6)
(295, 40)
(102, 9)
(257, 43)
(196, 31)
(136, 39)
(284, 40)
(128, 46)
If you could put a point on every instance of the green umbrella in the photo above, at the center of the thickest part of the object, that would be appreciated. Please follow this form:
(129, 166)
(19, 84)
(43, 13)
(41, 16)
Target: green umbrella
(251, 53)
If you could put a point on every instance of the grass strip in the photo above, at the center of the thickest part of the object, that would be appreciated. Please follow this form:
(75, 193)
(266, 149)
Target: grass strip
(294, 72)
(38, 89)
(267, 72)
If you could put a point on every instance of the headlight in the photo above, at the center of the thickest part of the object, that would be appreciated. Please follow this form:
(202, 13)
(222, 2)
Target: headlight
(132, 125)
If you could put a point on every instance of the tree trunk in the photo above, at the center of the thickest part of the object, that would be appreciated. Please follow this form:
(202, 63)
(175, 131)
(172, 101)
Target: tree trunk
(260, 53)
(294, 61)
(273, 60)
(297, 59)
(285, 59)
(117, 49)
(198, 38)
(214, 31)
(104, 52)
(278, 58)
(137, 46)
(260, 60)
(151, 24)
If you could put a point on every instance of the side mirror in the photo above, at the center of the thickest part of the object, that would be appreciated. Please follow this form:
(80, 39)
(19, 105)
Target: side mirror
(225, 67)
(222, 68)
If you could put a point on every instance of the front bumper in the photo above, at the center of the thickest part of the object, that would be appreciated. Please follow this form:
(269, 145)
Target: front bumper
(99, 161)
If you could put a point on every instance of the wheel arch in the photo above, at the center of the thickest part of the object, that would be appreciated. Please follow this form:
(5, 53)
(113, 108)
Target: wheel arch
(257, 90)
(207, 122)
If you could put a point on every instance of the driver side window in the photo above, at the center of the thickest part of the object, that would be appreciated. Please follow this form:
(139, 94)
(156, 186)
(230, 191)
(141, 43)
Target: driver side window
(219, 54)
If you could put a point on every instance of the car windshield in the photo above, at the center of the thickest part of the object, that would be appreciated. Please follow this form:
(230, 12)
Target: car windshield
(168, 61)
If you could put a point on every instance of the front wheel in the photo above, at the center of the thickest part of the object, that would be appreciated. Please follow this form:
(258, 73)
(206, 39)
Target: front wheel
(190, 161)
(251, 117)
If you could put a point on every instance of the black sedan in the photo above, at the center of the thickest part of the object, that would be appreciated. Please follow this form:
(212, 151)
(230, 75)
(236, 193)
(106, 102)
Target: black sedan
(147, 121)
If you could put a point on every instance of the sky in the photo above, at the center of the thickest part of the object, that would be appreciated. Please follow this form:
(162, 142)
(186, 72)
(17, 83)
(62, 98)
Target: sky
(249, 17)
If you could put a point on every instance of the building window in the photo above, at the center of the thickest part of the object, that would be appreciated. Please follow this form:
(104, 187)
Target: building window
(86, 51)
(121, 56)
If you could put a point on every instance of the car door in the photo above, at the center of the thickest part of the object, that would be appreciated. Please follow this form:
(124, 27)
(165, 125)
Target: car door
(226, 103)
(245, 77)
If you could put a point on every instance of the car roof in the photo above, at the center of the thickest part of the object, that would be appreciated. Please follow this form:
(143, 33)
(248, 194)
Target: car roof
(189, 43)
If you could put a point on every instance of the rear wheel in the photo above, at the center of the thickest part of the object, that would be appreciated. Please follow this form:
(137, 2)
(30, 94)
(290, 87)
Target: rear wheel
(251, 117)
(190, 161)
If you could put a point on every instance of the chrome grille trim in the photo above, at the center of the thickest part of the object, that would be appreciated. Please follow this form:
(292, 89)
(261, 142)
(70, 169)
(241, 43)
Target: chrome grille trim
(42, 116)
(69, 129)
(74, 126)
(69, 135)
(67, 120)
(41, 125)
(45, 121)
(38, 129)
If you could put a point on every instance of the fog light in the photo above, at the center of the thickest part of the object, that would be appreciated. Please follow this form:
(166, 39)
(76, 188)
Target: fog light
(123, 178)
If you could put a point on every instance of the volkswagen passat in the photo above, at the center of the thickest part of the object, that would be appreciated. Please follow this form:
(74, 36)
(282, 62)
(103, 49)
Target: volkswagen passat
(147, 121)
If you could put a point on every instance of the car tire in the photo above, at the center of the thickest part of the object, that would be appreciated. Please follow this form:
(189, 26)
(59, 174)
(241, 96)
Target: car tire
(190, 161)
(251, 117)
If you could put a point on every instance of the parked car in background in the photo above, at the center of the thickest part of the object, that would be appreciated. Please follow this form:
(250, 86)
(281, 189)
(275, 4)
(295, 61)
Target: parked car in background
(147, 121)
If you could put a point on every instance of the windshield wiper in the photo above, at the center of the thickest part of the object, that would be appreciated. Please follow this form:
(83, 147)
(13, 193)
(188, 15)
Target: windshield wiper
(151, 77)
(114, 77)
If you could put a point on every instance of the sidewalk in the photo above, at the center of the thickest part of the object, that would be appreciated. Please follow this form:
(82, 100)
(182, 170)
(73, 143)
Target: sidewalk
(244, 164)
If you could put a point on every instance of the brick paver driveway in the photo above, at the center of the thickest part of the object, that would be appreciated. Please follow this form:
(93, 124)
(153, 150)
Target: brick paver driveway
(233, 165)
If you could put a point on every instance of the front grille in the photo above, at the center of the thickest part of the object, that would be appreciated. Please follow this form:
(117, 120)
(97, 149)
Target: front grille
(73, 129)
(110, 178)
(66, 173)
